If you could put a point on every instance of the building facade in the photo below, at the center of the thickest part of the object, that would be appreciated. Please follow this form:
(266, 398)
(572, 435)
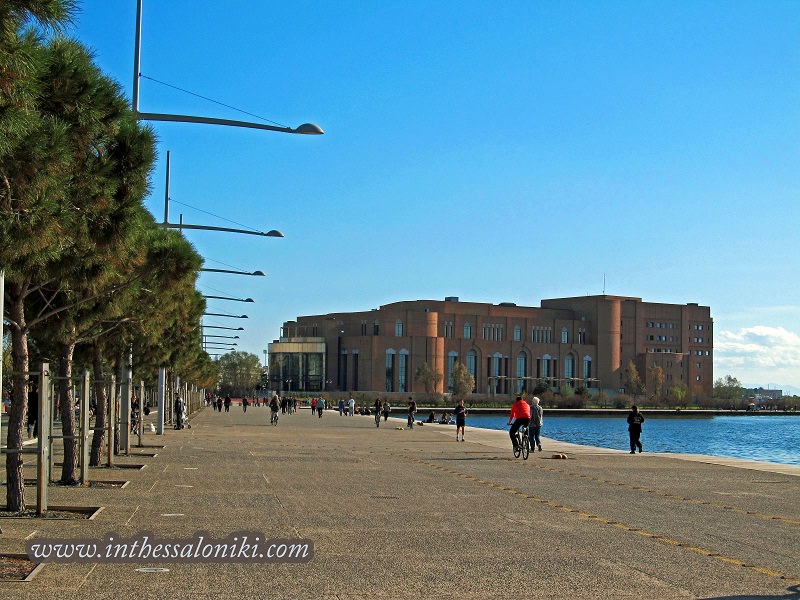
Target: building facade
(585, 341)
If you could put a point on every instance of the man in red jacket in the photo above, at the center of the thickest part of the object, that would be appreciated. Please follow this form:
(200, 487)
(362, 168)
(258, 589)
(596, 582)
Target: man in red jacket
(520, 415)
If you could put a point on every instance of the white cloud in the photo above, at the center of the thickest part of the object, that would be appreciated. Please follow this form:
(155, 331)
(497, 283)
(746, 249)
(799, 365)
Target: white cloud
(759, 353)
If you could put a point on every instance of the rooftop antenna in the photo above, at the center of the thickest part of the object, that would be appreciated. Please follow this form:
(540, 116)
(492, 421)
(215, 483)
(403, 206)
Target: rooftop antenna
(604, 284)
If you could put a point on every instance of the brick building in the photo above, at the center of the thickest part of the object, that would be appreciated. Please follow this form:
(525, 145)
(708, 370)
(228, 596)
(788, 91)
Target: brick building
(583, 341)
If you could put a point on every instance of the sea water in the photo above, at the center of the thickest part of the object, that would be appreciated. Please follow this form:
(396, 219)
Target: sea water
(757, 437)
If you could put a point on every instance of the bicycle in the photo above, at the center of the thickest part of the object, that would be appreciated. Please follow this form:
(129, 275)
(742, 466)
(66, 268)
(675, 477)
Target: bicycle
(523, 443)
(274, 418)
(377, 418)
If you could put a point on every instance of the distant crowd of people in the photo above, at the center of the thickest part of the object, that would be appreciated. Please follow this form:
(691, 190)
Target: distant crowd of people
(523, 413)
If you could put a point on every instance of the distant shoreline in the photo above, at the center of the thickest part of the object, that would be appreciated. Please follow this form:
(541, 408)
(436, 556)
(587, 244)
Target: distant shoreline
(590, 412)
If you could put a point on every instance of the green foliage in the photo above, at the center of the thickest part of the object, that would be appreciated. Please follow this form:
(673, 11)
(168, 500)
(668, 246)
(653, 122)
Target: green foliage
(239, 372)
(463, 382)
(631, 380)
(429, 378)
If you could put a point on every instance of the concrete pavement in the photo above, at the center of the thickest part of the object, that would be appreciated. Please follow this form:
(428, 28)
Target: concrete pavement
(397, 513)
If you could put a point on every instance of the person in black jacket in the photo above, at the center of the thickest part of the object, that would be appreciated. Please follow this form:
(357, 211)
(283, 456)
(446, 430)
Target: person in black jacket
(635, 420)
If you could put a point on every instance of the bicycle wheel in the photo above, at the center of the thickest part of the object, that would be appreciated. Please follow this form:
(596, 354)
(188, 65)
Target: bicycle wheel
(517, 447)
(377, 420)
(526, 445)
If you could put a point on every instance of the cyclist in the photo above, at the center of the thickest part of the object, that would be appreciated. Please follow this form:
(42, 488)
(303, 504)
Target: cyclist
(520, 415)
(273, 409)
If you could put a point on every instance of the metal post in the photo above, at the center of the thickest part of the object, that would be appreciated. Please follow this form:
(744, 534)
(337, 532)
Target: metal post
(140, 395)
(2, 311)
(137, 58)
(84, 427)
(45, 431)
(112, 420)
(166, 194)
(162, 393)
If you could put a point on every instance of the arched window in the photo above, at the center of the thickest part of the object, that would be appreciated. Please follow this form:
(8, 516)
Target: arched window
(452, 357)
(472, 367)
(402, 372)
(587, 367)
(569, 367)
(522, 372)
(546, 366)
(496, 371)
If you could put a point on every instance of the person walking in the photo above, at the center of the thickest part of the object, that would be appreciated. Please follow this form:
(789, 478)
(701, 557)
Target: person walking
(244, 404)
(320, 406)
(179, 410)
(461, 418)
(227, 403)
(351, 404)
(313, 405)
(412, 408)
(341, 407)
(386, 410)
(635, 420)
(537, 419)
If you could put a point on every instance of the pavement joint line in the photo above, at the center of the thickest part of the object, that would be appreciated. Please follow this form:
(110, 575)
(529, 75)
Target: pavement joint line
(638, 531)
(132, 515)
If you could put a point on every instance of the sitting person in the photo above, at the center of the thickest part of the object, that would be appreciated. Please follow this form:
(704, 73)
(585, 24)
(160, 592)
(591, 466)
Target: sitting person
(443, 419)
(431, 418)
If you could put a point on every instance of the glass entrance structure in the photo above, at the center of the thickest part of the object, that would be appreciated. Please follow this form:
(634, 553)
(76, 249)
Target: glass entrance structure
(297, 365)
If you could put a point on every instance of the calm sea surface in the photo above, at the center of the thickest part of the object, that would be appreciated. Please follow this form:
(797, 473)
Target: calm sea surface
(765, 438)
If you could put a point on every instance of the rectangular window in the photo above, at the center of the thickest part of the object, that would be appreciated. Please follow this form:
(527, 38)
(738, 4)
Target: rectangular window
(398, 328)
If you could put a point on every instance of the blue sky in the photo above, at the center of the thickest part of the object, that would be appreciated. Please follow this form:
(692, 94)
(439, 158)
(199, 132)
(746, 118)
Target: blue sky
(500, 152)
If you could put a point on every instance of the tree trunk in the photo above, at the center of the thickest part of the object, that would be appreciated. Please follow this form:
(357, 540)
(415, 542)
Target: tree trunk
(98, 438)
(67, 403)
(15, 478)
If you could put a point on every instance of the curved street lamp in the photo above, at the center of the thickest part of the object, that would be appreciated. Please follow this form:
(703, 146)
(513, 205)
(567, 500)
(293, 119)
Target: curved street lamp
(229, 298)
(221, 327)
(224, 315)
(254, 273)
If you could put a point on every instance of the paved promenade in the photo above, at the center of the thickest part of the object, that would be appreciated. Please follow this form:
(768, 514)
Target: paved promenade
(414, 514)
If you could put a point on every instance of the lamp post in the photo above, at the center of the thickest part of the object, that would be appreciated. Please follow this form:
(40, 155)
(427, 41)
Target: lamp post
(221, 327)
(225, 315)
(304, 129)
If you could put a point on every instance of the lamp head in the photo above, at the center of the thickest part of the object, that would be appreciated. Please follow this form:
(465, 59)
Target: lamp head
(309, 129)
